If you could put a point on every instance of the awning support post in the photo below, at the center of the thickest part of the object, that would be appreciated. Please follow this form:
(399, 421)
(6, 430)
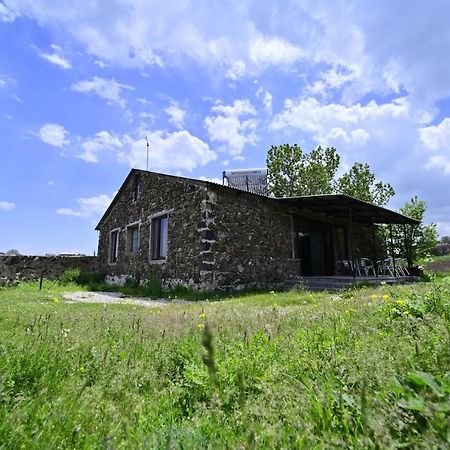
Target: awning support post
(374, 247)
(392, 249)
(352, 254)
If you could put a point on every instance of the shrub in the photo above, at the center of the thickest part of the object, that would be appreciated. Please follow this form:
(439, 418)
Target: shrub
(70, 276)
(154, 286)
(81, 278)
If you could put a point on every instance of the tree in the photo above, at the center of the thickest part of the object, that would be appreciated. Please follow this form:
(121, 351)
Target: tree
(417, 241)
(359, 182)
(13, 251)
(293, 173)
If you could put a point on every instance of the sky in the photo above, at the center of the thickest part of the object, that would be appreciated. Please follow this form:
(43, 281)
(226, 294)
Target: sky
(212, 84)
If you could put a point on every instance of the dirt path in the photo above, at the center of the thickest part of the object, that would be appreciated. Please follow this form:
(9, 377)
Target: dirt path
(116, 298)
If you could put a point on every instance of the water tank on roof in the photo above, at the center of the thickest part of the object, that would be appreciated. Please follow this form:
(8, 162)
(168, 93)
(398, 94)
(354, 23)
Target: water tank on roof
(250, 180)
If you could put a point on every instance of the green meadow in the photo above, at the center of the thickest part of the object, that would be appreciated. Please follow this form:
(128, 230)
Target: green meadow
(366, 368)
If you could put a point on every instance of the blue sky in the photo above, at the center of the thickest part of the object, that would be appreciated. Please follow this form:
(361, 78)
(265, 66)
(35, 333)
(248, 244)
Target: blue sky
(212, 84)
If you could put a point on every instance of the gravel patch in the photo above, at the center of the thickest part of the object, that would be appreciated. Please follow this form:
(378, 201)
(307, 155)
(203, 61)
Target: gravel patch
(116, 298)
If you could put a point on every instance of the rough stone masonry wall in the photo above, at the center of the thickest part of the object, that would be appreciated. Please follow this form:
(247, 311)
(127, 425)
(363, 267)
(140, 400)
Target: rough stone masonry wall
(246, 242)
(16, 268)
(159, 193)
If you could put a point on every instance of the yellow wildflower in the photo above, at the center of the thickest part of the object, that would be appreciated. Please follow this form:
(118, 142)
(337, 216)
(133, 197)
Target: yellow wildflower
(406, 312)
(202, 315)
(373, 296)
(385, 297)
(400, 302)
(56, 299)
(200, 326)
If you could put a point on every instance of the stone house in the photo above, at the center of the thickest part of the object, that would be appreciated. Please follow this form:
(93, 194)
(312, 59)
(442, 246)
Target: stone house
(208, 236)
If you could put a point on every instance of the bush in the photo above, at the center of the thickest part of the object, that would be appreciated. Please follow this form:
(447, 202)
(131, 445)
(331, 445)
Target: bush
(154, 286)
(81, 278)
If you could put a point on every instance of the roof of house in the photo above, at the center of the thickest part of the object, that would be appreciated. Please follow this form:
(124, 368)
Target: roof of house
(336, 205)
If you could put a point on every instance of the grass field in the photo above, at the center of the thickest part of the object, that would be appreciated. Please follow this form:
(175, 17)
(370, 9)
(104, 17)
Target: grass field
(365, 368)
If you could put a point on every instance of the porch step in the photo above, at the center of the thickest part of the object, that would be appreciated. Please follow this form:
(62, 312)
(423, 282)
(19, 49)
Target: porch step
(336, 283)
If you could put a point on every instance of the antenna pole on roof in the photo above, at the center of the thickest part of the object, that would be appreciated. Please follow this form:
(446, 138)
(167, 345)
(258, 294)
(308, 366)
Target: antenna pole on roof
(147, 150)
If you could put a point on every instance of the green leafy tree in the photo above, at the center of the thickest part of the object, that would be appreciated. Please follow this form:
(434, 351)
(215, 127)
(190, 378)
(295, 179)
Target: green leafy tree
(294, 173)
(360, 182)
(416, 241)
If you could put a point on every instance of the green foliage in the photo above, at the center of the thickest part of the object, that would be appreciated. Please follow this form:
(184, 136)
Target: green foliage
(80, 278)
(414, 241)
(71, 276)
(273, 370)
(154, 286)
(359, 182)
(294, 173)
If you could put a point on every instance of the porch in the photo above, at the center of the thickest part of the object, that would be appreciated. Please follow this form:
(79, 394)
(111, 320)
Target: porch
(340, 282)
(335, 236)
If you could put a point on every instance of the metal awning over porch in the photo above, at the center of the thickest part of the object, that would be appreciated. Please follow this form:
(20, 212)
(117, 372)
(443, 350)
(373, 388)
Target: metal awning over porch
(339, 206)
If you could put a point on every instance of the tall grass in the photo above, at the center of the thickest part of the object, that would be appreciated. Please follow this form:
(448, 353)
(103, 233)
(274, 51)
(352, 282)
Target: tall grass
(362, 369)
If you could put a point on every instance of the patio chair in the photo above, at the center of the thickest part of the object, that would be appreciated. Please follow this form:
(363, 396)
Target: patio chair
(385, 267)
(367, 265)
(352, 269)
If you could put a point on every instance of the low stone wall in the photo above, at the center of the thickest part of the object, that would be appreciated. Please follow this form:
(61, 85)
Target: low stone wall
(17, 268)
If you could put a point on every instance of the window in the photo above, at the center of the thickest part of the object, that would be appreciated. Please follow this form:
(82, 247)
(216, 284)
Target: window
(133, 238)
(137, 188)
(159, 237)
(114, 246)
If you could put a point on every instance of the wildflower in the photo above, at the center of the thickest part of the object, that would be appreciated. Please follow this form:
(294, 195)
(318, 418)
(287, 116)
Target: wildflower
(56, 299)
(400, 302)
(385, 297)
(200, 326)
(406, 312)
(373, 296)
(65, 331)
(202, 315)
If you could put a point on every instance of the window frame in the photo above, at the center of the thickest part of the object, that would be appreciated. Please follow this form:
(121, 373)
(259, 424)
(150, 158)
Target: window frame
(129, 237)
(113, 259)
(156, 257)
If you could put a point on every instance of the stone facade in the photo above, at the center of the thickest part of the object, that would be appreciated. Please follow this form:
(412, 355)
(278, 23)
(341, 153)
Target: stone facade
(16, 268)
(218, 237)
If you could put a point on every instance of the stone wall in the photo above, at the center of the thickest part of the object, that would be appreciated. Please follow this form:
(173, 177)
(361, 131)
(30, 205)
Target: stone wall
(15, 268)
(247, 241)
(218, 238)
(181, 200)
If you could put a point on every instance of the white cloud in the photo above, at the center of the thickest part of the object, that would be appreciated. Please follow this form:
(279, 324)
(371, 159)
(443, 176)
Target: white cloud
(7, 205)
(437, 137)
(88, 207)
(168, 151)
(274, 50)
(56, 57)
(110, 90)
(227, 127)
(266, 98)
(176, 115)
(6, 15)
(102, 141)
(53, 134)
(211, 179)
(331, 122)
(236, 70)
(440, 162)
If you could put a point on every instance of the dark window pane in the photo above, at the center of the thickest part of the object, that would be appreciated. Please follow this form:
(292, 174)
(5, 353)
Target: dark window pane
(159, 237)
